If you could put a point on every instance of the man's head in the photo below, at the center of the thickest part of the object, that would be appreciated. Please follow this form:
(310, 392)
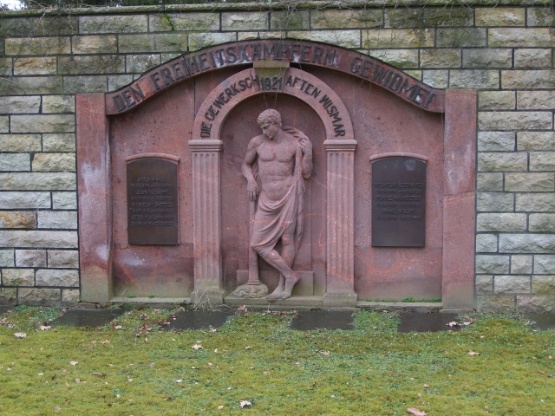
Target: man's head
(270, 116)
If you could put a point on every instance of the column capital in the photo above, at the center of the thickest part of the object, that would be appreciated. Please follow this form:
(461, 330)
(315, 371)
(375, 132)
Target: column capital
(334, 145)
(206, 145)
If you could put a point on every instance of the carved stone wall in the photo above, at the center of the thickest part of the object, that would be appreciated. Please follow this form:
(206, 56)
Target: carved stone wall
(502, 50)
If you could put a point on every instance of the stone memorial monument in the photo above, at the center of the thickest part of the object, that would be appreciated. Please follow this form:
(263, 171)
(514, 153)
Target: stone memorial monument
(363, 193)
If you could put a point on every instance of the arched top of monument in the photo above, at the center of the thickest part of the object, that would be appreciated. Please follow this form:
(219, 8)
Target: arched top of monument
(336, 58)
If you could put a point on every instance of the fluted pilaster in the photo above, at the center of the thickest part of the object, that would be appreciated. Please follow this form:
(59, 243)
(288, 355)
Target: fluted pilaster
(207, 219)
(340, 222)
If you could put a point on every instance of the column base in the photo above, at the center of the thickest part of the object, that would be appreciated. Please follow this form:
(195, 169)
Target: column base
(207, 298)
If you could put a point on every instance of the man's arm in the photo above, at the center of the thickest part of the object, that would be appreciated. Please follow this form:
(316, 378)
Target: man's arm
(306, 162)
(246, 169)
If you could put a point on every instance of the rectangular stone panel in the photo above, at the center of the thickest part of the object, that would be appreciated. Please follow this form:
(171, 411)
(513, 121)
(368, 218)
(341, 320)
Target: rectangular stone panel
(152, 202)
(398, 202)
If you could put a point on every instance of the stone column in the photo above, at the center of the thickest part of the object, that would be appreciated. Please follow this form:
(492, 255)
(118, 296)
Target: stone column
(340, 223)
(207, 222)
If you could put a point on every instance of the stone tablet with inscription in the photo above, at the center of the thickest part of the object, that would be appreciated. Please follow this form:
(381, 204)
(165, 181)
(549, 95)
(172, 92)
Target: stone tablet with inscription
(152, 202)
(398, 202)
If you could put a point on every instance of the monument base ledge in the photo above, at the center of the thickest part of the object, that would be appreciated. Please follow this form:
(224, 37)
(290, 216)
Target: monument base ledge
(340, 300)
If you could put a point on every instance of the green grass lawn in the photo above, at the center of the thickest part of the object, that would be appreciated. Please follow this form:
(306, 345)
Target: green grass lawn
(495, 366)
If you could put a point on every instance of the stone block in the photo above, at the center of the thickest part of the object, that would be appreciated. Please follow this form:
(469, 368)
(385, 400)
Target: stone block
(38, 26)
(38, 46)
(541, 16)
(535, 202)
(113, 24)
(57, 220)
(536, 100)
(343, 19)
(535, 304)
(8, 296)
(542, 161)
(85, 84)
(4, 124)
(20, 104)
(169, 22)
(487, 58)
(486, 243)
(94, 44)
(438, 78)
(502, 161)
(535, 140)
(440, 58)
(399, 58)
(202, 40)
(344, 38)
(70, 296)
(492, 264)
(532, 58)
(489, 182)
(239, 21)
(18, 277)
(58, 123)
(56, 277)
(495, 202)
(38, 239)
(35, 66)
(7, 257)
(64, 200)
(404, 17)
(59, 142)
(17, 219)
(58, 104)
(461, 38)
(527, 243)
(528, 79)
(54, 162)
(30, 258)
(529, 182)
(90, 65)
(115, 82)
(33, 85)
(63, 259)
(496, 100)
(6, 66)
(397, 38)
(503, 285)
(521, 264)
(496, 141)
(160, 42)
(519, 37)
(474, 79)
(15, 162)
(42, 297)
(38, 181)
(544, 264)
(484, 284)
(500, 222)
(24, 200)
(515, 120)
(20, 143)
(500, 16)
(542, 223)
(141, 63)
(300, 20)
(496, 303)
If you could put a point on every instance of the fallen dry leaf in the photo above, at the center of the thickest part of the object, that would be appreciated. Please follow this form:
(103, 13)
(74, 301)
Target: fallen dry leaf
(45, 328)
(416, 412)
(197, 346)
(20, 335)
(73, 362)
(244, 403)
(453, 324)
(473, 353)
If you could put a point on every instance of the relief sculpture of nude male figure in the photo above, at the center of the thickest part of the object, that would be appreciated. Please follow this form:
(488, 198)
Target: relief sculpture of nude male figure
(283, 161)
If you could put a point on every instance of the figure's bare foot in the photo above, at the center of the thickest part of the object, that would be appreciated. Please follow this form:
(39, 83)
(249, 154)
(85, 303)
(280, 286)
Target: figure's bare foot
(289, 285)
(278, 292)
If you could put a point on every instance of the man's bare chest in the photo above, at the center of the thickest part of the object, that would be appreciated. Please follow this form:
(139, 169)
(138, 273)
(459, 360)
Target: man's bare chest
(281, 152)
